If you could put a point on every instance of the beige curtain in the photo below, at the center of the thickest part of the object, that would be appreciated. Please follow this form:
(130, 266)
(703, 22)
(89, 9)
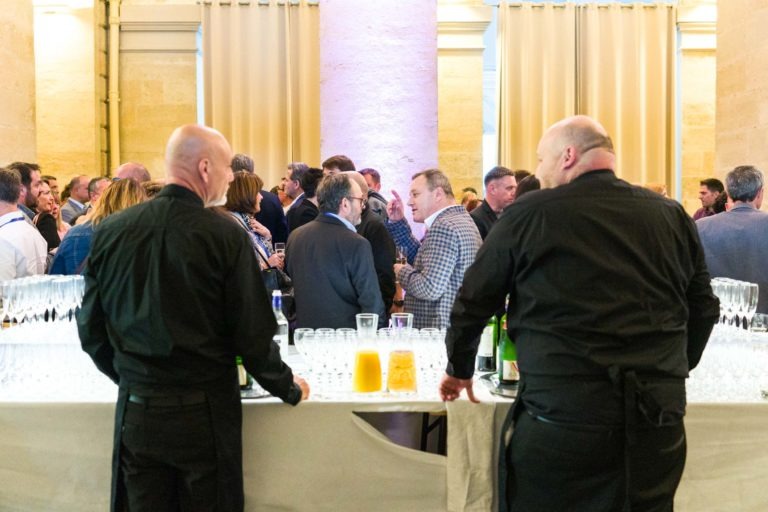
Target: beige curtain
(536, 50)
(261, 80)
(612, 62)
(626, 81)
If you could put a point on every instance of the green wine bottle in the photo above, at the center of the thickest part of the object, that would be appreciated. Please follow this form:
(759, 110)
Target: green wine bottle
(507, 357)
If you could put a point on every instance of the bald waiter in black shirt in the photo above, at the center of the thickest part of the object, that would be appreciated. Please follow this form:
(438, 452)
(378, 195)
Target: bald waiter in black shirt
(610, 306)
(173, 294)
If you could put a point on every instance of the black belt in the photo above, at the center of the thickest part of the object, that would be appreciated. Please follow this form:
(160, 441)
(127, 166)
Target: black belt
(170, 400)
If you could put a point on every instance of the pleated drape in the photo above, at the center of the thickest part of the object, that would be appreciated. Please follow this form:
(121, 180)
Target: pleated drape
(612, 62)
(261, 81)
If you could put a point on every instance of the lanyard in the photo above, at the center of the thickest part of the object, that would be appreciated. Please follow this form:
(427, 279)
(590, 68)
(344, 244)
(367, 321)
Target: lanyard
(17, 219)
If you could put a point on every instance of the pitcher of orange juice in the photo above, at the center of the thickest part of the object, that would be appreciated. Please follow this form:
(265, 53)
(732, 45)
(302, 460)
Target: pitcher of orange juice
(366, 373)
(401, 367)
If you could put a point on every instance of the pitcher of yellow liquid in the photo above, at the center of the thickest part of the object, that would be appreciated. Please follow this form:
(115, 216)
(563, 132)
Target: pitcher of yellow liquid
(401, 367)
(366, 373)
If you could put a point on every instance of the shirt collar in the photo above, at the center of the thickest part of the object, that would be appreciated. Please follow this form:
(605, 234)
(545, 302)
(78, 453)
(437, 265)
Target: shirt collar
(429, 220)
(76, 203)
(349, 225)
(296, 201)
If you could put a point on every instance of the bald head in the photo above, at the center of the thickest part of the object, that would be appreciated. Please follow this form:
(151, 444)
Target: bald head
(359, 179)
(572, 147)
(199, 158)
(134, 171)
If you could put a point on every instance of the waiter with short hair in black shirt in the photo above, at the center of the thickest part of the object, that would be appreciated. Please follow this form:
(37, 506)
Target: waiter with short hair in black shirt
(610, 306)
(173, 294)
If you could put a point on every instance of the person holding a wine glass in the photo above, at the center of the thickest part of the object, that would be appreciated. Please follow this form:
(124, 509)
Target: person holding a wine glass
(610, 307)
(437, 263)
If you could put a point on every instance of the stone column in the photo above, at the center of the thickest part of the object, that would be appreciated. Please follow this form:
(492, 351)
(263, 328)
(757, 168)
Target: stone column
(461, 25)
(697, 65)
(17, 88)
(378, 86)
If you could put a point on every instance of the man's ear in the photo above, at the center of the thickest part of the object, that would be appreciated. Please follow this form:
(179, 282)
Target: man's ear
(202, 169)
(570, 157)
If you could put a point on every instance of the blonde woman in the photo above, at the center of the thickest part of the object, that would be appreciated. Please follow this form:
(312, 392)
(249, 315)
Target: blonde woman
(76, 245)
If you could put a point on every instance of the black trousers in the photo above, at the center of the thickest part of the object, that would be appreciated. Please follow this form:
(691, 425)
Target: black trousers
(555, 468)
(168, 459)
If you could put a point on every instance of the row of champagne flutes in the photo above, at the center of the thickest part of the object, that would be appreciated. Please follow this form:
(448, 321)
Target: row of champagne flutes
(738, 301)
(41, 298)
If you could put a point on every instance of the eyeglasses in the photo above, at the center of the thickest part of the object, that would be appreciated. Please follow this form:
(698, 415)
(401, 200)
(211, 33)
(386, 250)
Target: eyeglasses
(363, 201)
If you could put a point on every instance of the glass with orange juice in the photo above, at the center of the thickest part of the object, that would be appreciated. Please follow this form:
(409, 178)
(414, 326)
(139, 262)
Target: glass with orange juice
(366, 373)
(401, 371)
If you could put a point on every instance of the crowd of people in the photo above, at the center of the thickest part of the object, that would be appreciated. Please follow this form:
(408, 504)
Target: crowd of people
(607, 284)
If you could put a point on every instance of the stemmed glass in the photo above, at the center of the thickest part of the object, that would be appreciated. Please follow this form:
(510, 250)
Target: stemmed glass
(751, 301)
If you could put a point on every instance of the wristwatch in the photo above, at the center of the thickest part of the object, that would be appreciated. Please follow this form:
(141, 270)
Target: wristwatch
(398, 303)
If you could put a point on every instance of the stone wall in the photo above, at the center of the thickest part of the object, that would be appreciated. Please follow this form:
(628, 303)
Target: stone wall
(742, 85)
(17, 88)
(67, 116)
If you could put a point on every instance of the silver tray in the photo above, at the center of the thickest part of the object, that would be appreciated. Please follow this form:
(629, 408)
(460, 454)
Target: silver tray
(491, 381)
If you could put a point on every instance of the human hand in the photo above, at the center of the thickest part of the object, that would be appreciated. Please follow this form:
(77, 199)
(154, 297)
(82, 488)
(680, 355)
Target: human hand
(303, 385)
(395, 209)
(450, 389)
(277, 260)
(397, 267)
(260, 228)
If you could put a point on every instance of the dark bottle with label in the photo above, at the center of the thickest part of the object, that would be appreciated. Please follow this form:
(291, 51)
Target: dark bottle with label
(486, 351)
(507, 358)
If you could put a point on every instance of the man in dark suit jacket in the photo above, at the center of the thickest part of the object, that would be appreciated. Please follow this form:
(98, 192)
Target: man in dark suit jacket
(736, 242)
(306, 210)
(271, 214)
(331, 265)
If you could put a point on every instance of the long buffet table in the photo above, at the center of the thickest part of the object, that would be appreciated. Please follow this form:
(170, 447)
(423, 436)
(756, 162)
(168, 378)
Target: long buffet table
(322, 456)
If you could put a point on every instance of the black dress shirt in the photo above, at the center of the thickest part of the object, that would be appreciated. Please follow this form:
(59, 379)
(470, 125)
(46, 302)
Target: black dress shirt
(173, 294)
(484, 218)
(599, 274)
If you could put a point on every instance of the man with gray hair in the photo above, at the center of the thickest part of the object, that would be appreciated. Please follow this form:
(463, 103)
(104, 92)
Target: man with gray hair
(332, 267)
(736, 242)
(436, 265)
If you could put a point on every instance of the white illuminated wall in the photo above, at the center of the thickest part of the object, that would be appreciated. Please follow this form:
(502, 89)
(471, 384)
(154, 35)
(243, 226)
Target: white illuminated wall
(378, 86)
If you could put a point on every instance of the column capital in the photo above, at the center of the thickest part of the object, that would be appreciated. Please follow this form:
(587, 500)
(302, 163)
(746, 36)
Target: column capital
(461, 24)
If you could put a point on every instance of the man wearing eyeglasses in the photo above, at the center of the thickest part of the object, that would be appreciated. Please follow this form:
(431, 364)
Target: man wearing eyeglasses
(332, 267)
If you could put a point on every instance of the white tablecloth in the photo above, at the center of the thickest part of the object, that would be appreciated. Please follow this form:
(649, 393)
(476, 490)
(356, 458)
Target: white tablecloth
(319, 455)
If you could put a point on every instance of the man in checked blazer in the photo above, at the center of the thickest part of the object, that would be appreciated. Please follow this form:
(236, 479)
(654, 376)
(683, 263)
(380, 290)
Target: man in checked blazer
(436, 265)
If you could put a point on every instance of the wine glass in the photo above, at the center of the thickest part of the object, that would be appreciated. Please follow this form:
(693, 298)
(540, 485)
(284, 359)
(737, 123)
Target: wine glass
(751, 300)
(401, 255)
